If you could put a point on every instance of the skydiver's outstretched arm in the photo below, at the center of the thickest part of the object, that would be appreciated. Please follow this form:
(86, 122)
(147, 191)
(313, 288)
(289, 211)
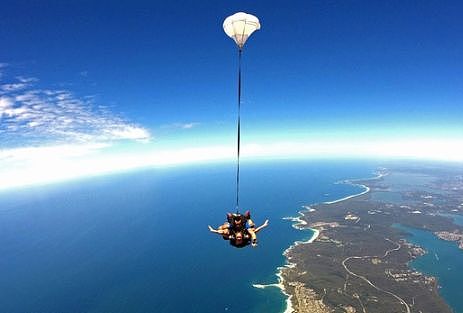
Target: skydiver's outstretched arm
(261, 226)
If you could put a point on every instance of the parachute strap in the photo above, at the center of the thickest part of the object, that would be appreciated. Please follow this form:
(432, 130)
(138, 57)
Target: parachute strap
(238, 135)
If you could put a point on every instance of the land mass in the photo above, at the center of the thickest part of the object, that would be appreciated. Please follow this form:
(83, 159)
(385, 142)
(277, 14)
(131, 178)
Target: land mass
(360, 260)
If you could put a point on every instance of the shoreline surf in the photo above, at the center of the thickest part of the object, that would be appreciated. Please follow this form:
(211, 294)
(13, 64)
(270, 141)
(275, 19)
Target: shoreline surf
(280, 284)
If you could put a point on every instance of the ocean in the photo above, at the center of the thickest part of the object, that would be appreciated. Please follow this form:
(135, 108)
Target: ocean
(138, 241)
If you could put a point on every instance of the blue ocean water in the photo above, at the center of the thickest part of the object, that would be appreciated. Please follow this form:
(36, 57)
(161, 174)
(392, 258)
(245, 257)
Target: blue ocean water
(442, 260)
(138, 241)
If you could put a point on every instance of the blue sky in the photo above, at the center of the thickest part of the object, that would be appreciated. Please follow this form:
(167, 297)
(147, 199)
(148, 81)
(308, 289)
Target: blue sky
(151, 77)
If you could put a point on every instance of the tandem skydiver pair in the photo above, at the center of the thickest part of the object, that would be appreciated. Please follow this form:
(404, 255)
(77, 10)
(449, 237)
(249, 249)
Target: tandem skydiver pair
(239, 229)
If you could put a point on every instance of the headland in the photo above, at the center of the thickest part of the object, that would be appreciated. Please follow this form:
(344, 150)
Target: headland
(358, 259)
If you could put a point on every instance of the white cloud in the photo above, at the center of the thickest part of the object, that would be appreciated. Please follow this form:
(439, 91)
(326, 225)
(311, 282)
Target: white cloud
(13, 87)
(181, 125)
(21, 83)
(26, 80)
(31, 116)
(50, 135)
(189, 125)
(4, 103)
(130, 132)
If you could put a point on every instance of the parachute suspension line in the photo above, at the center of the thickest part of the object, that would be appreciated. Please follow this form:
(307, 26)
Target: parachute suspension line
(238, 135)
(239, 27)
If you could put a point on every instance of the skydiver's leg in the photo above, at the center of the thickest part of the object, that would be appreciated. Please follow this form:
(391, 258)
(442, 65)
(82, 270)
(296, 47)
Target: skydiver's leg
(223, 232)
(253, 236)
(251, 229)
(212, 230)
(225, 228)
(225, 225)
(226, 233)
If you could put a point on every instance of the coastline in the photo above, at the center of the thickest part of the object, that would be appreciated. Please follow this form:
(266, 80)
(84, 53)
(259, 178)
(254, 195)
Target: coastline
(311, 278)
(279, 274)
(300, 224)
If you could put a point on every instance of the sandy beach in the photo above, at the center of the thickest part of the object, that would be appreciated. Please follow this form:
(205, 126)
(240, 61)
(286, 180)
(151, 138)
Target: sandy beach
(367, 189)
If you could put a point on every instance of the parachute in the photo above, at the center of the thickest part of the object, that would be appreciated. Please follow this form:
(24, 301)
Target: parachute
(240, 26)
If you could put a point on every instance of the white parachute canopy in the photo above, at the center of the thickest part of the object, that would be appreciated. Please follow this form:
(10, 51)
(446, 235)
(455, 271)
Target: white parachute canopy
(240, 26)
